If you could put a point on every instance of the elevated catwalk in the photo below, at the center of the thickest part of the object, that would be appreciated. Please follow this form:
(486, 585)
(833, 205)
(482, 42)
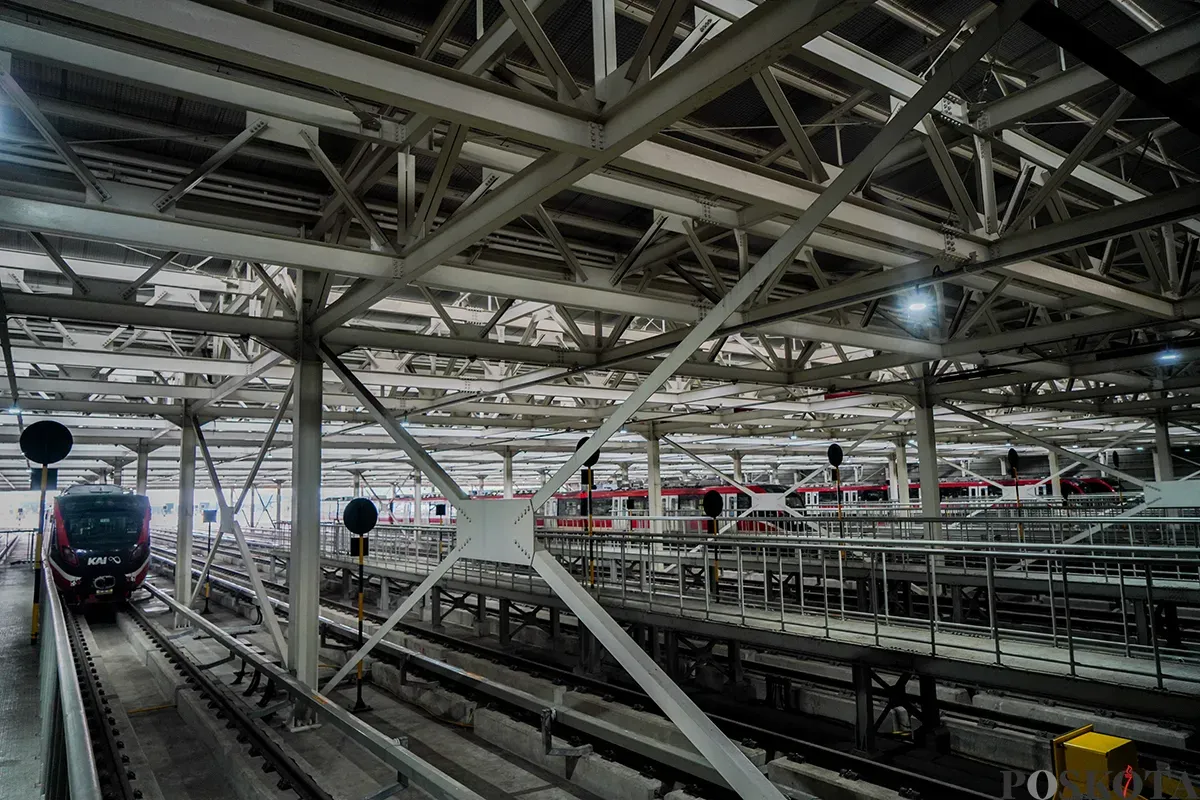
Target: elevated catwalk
(815, 597)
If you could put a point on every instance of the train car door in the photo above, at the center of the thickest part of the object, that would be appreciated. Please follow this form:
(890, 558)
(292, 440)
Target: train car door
(619, 513)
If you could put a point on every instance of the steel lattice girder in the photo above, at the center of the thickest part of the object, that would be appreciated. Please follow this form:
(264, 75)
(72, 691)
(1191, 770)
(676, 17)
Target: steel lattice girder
(677, 166)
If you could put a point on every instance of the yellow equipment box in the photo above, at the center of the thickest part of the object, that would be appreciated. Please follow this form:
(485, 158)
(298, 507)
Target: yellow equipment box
(1086, 758)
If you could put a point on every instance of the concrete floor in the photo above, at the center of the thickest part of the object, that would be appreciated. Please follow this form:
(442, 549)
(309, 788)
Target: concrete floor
(20, 721)
(181, 763)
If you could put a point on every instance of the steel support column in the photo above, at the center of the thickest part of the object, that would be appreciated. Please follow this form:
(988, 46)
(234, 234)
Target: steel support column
(604, 40)
(653, 476)
(143, 466)
(304, 569)
(187, 499)
(418, 516)
(1164, 469)
(864, 708)
(508, 473)
(927, 465)
(899, 482)
(1055, 474)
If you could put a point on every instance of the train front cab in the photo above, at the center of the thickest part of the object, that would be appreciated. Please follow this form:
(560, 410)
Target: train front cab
(99, 544)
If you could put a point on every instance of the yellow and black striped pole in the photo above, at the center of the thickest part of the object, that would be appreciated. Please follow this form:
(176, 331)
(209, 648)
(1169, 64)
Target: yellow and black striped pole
(37, 562)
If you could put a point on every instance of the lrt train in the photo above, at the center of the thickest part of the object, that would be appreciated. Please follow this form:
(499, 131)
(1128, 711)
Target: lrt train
(99, 545)
(687, 500)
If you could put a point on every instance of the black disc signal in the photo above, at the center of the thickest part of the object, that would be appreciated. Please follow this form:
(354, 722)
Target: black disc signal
(713, 504)
(591, 460)
(360, 516)
(835, 454)
(46, 442)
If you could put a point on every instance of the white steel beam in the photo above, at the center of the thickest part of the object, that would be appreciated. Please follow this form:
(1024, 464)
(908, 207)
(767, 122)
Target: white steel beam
(752, 44)
(541, 47)
(560, 243)
(726, 758)
(190, 181)
(1078, 153)
(604, 40)
(61, 146)
(441, 28)
(985, 36)
(1034, 440)
(112, 225)
(229, 522)
(1171, 53)
(81, 285)
(397, 80)
(789, 124)
(435, 189)
(419, 457)
(952, 182)
(408, 604)
(734, 482)
(378, 238)
(132, 289)
(655, 39)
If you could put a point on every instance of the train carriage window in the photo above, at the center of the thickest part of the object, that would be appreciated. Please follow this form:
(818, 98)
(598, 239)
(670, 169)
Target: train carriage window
(103, 521)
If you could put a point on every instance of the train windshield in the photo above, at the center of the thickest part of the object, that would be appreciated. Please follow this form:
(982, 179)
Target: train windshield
(104, 520)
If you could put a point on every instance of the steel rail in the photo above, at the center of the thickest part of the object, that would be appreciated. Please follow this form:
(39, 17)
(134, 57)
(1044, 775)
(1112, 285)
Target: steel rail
(291, 776)
(419, 773)
(114, 776)
(673, 757)
(83, 779)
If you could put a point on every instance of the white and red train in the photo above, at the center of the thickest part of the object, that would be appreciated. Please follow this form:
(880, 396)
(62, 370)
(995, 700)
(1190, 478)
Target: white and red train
(99, 544)
(686, 500)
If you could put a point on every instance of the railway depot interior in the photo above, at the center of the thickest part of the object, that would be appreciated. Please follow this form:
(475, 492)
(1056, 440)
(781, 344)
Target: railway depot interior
(606, 399)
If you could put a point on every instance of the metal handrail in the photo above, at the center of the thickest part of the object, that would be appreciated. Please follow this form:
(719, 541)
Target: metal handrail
(69, 766)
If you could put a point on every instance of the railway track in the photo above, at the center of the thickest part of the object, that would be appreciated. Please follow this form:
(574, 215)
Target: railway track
(915, 783)
(117, 780)
(744, 728)
(221, 701)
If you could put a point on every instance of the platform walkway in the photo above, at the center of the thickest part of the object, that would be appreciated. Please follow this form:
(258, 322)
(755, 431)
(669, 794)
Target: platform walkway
(1100, 678)
(20, 719)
